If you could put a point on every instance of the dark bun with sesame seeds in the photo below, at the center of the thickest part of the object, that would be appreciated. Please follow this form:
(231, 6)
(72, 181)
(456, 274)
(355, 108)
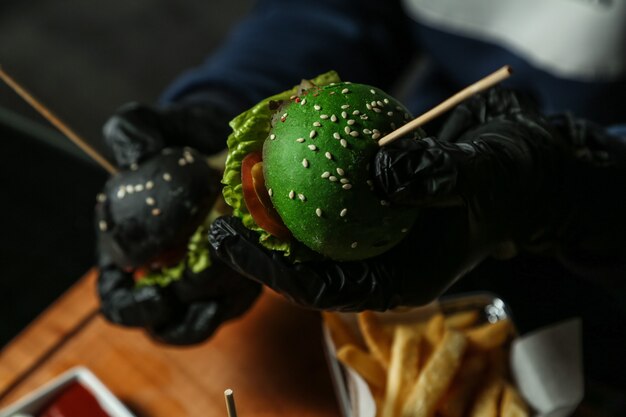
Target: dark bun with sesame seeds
(155, 208)
(316, 166)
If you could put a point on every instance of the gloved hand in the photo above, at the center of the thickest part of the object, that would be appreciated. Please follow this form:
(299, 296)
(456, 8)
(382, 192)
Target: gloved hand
(185, 312)
(551, 186)
(497, 156)
(138, 131)
(494, 182)
(145, 219)
(591, 241)
(412, 273)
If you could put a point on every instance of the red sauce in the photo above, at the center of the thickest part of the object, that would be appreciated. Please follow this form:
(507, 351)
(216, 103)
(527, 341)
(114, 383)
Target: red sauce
(74, 401)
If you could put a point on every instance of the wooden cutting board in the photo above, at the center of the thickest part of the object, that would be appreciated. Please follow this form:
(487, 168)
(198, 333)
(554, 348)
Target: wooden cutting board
(272, 358)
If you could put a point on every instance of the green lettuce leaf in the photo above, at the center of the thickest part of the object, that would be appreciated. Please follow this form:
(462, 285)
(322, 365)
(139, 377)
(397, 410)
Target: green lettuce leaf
(197, 258)
(250, 129)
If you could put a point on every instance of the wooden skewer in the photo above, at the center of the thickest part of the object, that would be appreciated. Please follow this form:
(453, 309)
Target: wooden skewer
(489, 81)
(56, 122)
(230, 403)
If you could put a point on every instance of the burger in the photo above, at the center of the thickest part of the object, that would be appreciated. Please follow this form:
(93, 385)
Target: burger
(299, 171)
(153, 220)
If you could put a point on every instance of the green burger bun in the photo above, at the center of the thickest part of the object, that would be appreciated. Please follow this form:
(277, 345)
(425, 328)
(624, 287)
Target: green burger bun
(316, 164)
(317, 142)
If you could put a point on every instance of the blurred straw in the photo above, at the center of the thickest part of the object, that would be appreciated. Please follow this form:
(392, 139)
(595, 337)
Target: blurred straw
(230, 403)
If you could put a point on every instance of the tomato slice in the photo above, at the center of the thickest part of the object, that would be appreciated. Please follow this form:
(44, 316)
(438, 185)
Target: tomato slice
(168, 258)
(165, 259)
(140, 273)
(257, 199)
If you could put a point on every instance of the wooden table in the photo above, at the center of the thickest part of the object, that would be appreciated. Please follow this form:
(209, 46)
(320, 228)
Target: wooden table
(272, 358)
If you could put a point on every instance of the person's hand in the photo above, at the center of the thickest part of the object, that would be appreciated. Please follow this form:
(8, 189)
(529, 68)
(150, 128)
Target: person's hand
(498, 157)
(490, 184)
(145, 218)
(185, 312)
(547, 185)
(138, 131)
(414, 272)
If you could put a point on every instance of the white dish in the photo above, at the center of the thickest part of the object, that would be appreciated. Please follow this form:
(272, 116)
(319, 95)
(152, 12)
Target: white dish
(32, 403)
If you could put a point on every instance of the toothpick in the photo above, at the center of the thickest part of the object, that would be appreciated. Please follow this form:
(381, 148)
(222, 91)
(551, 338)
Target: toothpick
(483, 84)
(230, 403)
(56, 122)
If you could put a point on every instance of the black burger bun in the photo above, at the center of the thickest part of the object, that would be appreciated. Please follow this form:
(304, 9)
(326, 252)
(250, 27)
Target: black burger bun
(155, 208)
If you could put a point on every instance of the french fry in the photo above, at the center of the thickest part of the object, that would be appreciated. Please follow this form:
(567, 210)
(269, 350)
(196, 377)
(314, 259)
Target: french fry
(435, 329)
(340, 332)
(464, 386)
(379, 399)
(377, 337)
(489, 336)
(433, 382)
(488, 398)
(433, 332)
(444, 367)
(364, 364)
(487, 403)
(498, 362)
(462, 320)
(512, 404)
(403, 368)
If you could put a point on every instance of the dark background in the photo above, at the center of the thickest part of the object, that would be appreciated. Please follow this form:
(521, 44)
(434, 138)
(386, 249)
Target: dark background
(82, 59)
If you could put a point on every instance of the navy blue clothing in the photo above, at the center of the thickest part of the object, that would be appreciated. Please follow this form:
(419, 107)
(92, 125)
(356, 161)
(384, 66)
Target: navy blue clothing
(374, 42)
(282, 42)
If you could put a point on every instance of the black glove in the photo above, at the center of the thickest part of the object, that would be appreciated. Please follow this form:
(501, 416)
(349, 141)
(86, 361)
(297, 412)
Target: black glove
(495, 155)
(137, 131)
(552, 186)
(592, 235)
(412, 273)
(187, 311)
(493, 182)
